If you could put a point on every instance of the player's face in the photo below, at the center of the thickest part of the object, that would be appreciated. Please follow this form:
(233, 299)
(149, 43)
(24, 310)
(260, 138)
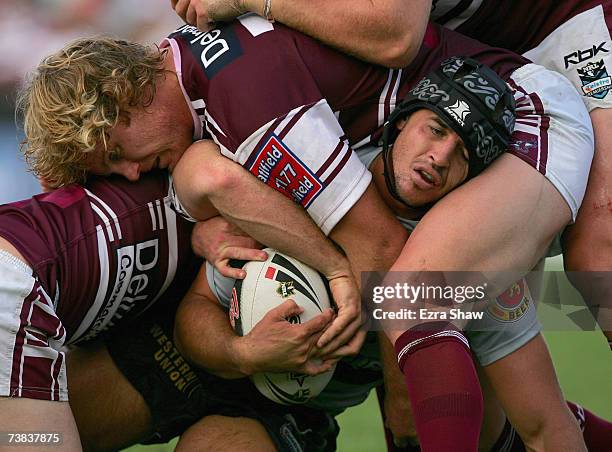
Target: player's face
(429, 159)
(145, 138)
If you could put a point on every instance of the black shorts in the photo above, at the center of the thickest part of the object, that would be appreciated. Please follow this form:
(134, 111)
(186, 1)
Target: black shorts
(179, 395)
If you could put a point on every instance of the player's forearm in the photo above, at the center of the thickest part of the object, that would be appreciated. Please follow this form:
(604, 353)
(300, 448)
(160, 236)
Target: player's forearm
(387, 32)
(203, 335)
(369, 234)
(204, 176)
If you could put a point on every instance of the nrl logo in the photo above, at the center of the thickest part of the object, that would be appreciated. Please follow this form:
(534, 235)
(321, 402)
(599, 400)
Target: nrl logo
(460, 110)
(285, 289)
(298, 378)
(595, 79)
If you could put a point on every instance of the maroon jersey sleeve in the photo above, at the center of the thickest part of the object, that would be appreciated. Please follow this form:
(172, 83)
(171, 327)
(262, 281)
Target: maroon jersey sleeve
(105, 252)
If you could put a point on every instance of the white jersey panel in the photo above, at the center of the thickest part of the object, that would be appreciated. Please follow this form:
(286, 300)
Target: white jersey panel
(306, 157)
(581, 50)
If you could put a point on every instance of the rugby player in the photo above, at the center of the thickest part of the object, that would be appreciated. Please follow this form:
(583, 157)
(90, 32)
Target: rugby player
(266, 136)
(75, 263)
(79, 262)
(571, 37)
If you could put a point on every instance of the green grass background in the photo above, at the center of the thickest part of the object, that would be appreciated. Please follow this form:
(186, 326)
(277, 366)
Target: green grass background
(582, 359)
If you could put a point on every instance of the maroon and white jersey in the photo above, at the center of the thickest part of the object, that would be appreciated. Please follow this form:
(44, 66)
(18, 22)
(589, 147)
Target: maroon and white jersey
(519, 25)
(571, 37)
(105, 253)
(291, 110)
(251, 74)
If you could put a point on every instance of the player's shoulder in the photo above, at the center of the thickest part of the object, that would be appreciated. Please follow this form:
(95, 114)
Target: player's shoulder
(246, 39)
(123, 194)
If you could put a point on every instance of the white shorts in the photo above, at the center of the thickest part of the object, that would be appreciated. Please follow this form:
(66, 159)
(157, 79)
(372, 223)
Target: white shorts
(31, 336)
(553, 131)
(508, 323)
(581, 50)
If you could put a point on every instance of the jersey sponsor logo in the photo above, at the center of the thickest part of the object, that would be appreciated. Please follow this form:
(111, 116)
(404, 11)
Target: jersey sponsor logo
(460, 111)
(579, 56)
(131, 283)
(512, 304)
(214, 49)
(280, 168)
(595, 79)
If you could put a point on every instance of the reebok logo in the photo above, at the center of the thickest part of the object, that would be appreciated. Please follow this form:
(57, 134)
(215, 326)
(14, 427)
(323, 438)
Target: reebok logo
(582, 55)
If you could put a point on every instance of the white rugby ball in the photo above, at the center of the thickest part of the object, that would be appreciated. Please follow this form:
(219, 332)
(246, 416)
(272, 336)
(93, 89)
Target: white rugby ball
(267, 285)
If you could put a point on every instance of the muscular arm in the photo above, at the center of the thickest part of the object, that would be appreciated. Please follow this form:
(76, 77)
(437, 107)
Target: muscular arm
(386, 32)
(203, 177)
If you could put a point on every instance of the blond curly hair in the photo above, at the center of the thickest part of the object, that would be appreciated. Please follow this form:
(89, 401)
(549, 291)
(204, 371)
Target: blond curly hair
(74, 98)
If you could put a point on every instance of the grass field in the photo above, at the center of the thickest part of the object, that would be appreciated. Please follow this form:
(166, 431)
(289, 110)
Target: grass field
(582, 359)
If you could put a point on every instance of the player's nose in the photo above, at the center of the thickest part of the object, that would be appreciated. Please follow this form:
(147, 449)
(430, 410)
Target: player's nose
(441, 154)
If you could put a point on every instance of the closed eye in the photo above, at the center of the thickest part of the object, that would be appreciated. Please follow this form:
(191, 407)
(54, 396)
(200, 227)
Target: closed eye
(114, 155)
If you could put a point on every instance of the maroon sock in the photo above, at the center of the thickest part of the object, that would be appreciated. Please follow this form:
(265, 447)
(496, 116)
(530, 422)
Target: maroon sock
(597, 432)
(444, 390)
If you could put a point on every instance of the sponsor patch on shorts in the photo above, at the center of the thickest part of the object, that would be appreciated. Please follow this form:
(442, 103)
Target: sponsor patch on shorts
(512, 304)
(281, 169)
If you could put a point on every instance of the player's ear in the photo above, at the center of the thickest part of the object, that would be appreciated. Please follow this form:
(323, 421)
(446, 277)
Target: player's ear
(401, 123)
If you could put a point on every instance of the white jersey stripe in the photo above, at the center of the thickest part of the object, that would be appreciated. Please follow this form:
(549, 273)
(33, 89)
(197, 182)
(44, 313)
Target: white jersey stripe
(199, 103)
(110, 212)
(105, 221)
(255, 24)
(153, 217)
(363, 142)
(102, 286)
(393, 100)
(171, 231)
(383, 98)
(159, 214)
(211, 120)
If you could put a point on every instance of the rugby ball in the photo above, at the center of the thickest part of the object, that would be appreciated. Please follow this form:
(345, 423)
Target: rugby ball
(267, 285)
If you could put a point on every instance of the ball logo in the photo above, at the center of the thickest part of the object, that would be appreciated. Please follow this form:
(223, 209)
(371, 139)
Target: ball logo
(298, 378)
(285, 289)
(294, 319)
